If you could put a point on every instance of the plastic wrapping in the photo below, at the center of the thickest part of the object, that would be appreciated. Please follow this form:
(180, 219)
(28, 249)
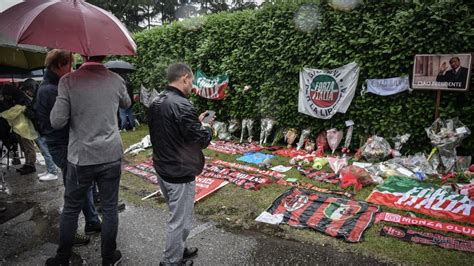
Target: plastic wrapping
(445, 136)
(334, 137)
(463, 163)
(417, 163)
(398, 143)
(321, 144)
(375, 149)
(347, 142)
(278, 136)
(319, 163)
(266, 128)
(356, 176)
(247, 126)
(290, 136)
(337, 163)
(266, 164)
(390, 168)
(220, 130)
(234, 125)
(304, 135)
(309, 146)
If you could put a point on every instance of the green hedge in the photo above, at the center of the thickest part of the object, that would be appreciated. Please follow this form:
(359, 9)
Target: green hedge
(264, 48)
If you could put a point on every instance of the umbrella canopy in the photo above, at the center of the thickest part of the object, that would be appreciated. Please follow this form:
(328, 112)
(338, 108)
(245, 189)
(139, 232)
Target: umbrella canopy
(120, 66)
(72, 25)
(20, 58)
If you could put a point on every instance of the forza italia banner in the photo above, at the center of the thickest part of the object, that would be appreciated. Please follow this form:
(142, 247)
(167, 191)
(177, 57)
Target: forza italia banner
(337, 217)
(409, 194)
(212, 88)
(323, 93)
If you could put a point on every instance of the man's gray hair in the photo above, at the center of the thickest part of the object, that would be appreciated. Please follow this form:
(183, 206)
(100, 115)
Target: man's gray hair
(176, 71)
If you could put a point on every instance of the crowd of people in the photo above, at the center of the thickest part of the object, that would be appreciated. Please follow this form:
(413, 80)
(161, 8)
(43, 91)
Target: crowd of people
(76, 129)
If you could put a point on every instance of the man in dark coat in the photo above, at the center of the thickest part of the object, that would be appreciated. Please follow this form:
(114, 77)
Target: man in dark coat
(178, 137)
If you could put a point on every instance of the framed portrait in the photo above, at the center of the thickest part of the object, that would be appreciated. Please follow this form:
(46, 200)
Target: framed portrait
(442, 72)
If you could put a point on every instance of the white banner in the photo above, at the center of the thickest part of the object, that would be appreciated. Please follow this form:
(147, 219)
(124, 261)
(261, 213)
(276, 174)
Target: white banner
(323, 93)
(385, 87)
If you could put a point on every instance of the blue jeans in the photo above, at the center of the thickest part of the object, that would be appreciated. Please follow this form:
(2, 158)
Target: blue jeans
(50, 166)
(58, 151)
(126, 115)
(78, 183)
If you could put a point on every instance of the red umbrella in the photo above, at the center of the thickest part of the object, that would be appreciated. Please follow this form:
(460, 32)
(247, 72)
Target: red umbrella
(72, 25)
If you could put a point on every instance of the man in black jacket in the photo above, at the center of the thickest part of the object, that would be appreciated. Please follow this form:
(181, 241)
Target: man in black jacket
(178, 137)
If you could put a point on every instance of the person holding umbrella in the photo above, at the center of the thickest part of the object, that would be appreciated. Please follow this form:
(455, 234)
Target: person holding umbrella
(88, 99)
(58, 63)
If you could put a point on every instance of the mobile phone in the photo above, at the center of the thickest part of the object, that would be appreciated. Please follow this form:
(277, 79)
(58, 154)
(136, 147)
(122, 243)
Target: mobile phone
(209, 116)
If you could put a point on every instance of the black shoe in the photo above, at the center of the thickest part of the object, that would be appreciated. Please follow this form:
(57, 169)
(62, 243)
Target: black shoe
(21, 168)
(189, 252)
(27, 169)
(81, 240)
(55, 261)
(91, 229)
(116, 260)
(120, 206)
(183, 263)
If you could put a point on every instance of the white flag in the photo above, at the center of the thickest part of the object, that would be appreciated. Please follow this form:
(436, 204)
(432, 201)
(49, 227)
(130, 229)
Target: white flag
(323, 93)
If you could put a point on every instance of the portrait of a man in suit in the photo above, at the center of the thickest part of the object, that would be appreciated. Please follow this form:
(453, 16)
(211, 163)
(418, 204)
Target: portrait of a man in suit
(456, 76)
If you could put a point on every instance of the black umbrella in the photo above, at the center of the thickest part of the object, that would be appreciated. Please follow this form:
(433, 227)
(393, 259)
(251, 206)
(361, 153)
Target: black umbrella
(120, 66)
(20, 57)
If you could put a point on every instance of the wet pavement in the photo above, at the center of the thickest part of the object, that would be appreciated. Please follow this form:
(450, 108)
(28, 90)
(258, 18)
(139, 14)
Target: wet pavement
(31, 237)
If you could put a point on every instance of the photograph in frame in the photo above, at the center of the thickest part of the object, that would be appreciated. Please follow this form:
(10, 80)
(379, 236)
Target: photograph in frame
(442, 72)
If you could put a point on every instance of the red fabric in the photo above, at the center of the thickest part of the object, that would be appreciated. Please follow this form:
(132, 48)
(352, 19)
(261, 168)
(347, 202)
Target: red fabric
(290, 152)
(75, 26)
(433, 224)
(234, 148)
(354, 175)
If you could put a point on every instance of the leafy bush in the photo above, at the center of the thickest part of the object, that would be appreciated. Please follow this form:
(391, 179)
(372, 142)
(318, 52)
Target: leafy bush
(266, 48)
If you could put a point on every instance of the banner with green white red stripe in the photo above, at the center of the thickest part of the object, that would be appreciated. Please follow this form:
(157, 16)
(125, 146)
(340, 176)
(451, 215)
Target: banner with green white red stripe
(409, 194)
(212, 88)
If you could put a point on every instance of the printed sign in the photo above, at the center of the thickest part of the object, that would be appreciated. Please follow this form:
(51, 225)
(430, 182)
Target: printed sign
(442, 72)
(323, 93)
(206, 186)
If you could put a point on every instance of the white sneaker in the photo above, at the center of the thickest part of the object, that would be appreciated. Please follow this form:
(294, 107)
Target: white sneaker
(42, 174)
(48, 177)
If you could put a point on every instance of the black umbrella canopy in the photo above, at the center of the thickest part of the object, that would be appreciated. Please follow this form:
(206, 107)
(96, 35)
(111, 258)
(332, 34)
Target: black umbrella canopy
(120, 66)
(20, 57)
